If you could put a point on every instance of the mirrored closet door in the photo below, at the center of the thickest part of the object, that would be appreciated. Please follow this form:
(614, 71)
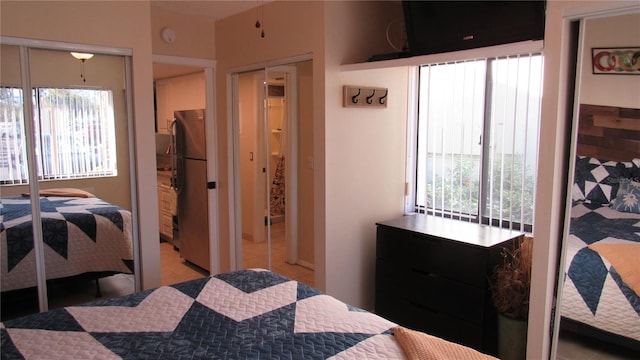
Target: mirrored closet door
(67, 197)
(599, 302)
(269, 105)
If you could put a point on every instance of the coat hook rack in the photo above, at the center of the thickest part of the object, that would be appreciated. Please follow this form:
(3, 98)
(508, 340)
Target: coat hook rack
(376, 99)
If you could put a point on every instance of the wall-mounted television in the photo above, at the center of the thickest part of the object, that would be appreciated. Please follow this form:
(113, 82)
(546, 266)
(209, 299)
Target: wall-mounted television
(443, 26)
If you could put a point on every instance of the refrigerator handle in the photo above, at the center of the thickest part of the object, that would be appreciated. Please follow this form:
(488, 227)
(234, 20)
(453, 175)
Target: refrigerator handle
(175, 183)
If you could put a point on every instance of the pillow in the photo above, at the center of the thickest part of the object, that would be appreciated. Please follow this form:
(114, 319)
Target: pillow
(417, 345)
(64, 192)
(634, 170)
(628, 197)
(597, 181)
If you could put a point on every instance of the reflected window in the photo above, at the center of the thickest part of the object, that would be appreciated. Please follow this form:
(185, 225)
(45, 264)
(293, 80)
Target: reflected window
(75, 134)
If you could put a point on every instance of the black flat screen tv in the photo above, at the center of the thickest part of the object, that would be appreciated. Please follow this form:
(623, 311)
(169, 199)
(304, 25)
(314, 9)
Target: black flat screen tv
(442, 26)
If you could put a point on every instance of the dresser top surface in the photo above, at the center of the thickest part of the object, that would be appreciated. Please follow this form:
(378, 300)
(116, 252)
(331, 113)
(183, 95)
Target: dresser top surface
(448, 229)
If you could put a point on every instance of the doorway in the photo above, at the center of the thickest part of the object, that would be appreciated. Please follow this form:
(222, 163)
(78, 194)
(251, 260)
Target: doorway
(184, 84)
(266, 115)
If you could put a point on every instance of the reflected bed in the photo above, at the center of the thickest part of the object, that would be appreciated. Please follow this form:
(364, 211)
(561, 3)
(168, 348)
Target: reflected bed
(600, 296)
(82, 235)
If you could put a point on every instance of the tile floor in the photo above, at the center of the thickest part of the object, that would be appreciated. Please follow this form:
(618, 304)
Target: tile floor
(255, 256)
(174, 269)
(576, 347)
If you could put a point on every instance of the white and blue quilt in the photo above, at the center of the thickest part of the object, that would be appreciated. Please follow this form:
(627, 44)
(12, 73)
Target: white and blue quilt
(602, 271)
(80, 235)
(247, 314)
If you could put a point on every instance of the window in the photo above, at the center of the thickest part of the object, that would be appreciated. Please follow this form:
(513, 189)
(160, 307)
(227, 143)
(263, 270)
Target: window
(477, 138)
(75, 134)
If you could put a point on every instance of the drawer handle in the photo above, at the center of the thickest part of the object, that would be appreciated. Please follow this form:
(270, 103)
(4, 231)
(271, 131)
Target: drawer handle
(429, 240)
(424, 273)
(423, 307)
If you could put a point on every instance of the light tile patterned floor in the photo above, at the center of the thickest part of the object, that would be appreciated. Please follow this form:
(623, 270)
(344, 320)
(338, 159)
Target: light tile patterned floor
(575, 347)
(174, 269)
(255, 256)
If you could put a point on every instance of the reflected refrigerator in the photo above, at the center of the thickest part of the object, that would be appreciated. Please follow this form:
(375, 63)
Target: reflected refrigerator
(189, 180)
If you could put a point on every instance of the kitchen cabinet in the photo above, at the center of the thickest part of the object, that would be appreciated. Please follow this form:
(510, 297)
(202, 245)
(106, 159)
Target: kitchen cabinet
(178, 93)
(432, 275)
(165, 206)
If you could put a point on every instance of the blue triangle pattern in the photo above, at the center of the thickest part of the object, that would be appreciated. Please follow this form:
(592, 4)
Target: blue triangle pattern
(588, 273)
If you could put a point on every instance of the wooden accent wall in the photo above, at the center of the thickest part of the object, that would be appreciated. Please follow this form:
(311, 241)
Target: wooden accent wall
(608, 133)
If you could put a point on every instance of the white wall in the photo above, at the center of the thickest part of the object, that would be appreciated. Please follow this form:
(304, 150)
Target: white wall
(365, 155)
(610, 90)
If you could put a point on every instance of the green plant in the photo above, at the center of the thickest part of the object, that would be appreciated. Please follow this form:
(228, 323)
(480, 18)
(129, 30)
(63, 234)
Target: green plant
(511, 281)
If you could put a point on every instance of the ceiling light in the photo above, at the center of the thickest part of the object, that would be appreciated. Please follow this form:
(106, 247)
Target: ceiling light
(82, 56)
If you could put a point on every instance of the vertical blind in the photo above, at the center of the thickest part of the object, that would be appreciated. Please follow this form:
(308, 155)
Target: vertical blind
(75, 135)
(477, 140)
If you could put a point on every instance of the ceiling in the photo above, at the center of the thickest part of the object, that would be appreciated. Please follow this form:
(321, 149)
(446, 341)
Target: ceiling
(211, 9)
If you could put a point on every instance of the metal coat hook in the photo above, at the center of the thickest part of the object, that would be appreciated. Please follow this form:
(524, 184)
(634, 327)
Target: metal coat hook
(354, 98)
(370, 97)
(382, 99)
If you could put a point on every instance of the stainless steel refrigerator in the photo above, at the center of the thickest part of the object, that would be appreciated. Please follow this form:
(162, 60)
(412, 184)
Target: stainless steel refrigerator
(189, 180)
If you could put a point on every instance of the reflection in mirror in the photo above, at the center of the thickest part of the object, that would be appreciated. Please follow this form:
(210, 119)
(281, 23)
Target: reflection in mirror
(82, 161)
(255, 247)
(13, 170)
(600, 298)
(276, 200)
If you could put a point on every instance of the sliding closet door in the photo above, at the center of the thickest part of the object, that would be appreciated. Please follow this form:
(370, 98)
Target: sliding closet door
(68, 205)
(82, 142)
(19, 259)
(263, 108)
(252, 169)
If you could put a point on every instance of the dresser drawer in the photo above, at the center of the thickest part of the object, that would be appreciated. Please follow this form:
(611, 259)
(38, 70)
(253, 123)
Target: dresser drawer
(433, 256)
(430, 291)
(408, 314)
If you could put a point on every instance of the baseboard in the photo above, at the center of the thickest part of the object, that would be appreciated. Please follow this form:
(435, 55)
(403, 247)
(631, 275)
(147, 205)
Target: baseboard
(306, 264)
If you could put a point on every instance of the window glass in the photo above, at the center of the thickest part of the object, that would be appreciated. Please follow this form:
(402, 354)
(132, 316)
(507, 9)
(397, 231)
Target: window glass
(477, 136)
(75, 134)
(13, 155)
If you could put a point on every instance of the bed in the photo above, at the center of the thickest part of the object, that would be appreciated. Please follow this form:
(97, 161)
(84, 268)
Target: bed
(245, 314)
(601, 289)
(82, 235)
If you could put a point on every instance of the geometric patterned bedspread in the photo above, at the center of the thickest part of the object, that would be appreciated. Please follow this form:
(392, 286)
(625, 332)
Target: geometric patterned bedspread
(602, 271)
(246, 314)
(80, 235)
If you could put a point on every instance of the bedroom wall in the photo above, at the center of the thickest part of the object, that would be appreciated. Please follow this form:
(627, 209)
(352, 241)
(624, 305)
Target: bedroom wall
(119, 24)
(365, 148)
(610, 90)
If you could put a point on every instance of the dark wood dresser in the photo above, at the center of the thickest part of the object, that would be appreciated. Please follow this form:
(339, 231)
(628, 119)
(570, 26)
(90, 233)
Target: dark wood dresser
(432, 275)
